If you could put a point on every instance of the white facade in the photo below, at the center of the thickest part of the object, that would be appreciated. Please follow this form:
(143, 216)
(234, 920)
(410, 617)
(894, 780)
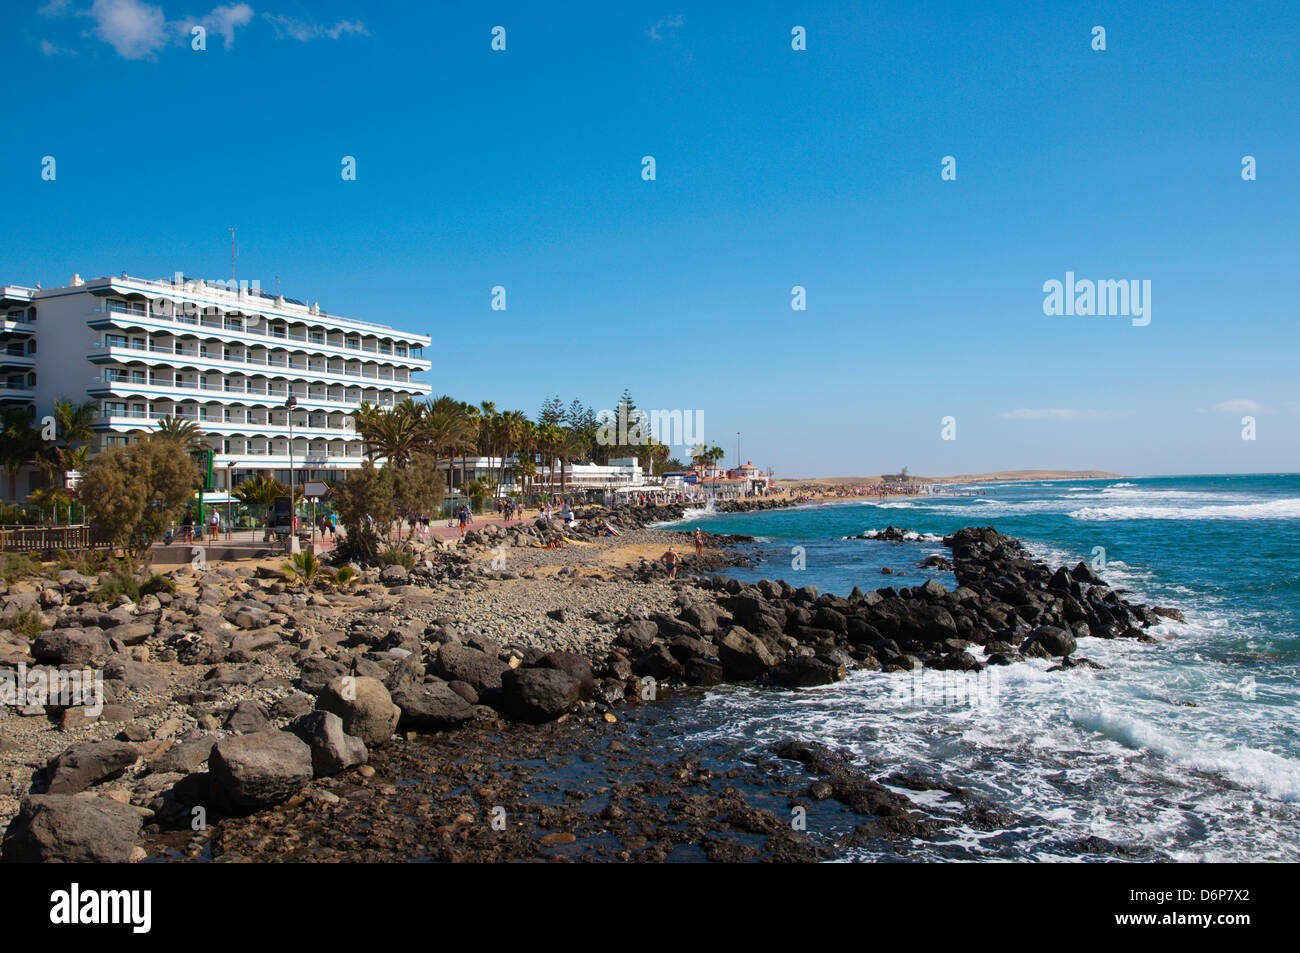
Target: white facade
(225, 358)
(577, 476)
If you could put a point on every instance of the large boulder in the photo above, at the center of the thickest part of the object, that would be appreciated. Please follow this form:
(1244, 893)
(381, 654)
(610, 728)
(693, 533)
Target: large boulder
(72, 647)
(457, 662)
(743, 655)
(67, 828)
(1054, 641)
(364, 705)
(261, 769)
(539, 694)
(432, 706)
(575, 665)
(803, 671)
(332, 749)
(85, 764)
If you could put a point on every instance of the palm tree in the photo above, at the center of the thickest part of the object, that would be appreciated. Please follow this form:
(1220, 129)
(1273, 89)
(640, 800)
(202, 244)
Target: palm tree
(444, 429)
(470, 440)
(20, 443)
(393, 433)
(185, 432)
(48, 500)
(260, 490)
(507, 436)
(548, 441)
(570, 448)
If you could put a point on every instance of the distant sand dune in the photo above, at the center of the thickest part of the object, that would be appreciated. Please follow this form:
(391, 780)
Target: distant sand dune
(998, 477)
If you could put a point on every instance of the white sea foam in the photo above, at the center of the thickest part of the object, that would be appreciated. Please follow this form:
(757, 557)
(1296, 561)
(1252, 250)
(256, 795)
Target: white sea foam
(1264, 771)
(1288, 508)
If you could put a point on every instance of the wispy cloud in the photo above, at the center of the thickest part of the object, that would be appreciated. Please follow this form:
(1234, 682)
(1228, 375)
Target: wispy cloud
(49, 49)
(1238, 405)
(138, 30)
(221, 21)
(303, 30)
(1062, 413)
(665, 26)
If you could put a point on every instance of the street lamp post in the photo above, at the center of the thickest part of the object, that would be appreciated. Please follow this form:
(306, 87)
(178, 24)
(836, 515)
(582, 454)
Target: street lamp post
(290, 404)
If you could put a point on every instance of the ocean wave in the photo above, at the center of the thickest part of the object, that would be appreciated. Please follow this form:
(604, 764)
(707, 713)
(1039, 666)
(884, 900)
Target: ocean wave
(1272, 510)
(1260, 770)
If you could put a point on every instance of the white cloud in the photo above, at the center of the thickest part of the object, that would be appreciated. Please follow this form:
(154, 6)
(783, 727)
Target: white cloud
(303, 30)
(133, 28)
(1061, 413)
(55, 8)
(665, 25)
(222, 21)
(1238, 405)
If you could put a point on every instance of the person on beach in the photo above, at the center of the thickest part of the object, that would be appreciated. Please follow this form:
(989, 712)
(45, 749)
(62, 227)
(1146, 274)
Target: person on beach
(699, 542)
(464, 518)
(216, 524)
(669, 560)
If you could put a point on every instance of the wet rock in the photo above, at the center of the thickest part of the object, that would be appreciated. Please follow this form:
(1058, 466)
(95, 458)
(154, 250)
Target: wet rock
(744, 656)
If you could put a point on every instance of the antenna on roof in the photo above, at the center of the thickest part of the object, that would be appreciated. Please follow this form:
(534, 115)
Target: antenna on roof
(232, 252)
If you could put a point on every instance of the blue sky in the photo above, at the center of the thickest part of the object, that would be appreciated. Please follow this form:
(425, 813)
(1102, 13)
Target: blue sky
(775, 168)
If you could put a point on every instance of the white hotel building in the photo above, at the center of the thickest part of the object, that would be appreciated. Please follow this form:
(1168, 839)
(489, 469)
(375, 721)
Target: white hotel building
(228, 359)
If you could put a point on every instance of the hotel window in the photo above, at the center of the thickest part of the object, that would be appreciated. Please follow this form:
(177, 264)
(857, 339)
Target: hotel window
(315, 337)
(234, 324)
(115, 340)
(114, 408)
(31, 346)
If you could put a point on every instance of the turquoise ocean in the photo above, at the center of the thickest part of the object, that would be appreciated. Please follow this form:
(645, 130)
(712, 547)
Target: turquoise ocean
(1186, 749)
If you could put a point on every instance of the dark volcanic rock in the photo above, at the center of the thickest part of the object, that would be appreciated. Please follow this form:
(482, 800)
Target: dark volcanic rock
(539, 694)
(432, 706)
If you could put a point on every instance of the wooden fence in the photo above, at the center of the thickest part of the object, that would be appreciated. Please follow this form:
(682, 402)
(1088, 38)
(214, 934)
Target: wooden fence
(46, 539)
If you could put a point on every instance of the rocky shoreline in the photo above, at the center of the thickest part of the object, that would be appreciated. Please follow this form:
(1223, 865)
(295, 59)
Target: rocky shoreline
(250, 718)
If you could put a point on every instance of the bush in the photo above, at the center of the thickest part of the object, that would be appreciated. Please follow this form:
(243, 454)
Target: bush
(361, 545)
(121, 584)
(394, 556)
(20, 565)
(157, 583)
(27, 623)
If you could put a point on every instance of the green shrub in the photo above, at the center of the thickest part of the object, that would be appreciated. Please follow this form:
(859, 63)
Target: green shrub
(393, 556)
(157, 583)
(28, 623)
(121, 584)
(20, 565)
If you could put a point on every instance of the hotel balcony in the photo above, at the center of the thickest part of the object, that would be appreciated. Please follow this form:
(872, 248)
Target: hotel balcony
(201, 359)
(254, 317)
(136, 384)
